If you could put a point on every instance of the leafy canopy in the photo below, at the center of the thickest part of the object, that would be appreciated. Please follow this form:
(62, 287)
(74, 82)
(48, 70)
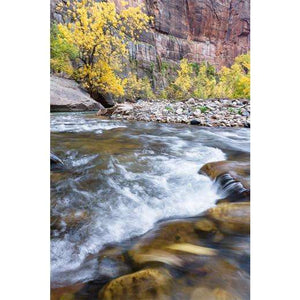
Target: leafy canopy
(203, 81)
(101, 35)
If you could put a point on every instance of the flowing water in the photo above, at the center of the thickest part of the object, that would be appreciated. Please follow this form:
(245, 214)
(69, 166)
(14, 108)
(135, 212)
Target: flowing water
(122, 177)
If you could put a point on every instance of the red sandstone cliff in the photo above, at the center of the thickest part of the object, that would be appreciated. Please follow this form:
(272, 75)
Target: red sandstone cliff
(200, 30)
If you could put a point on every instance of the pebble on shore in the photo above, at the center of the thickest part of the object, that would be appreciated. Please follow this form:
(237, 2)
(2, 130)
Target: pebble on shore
(209, 112)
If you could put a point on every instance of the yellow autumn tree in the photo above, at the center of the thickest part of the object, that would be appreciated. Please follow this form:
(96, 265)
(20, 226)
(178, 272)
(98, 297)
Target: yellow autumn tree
(101, 34)
(234, 82)
(204, 82)
(137, 88)
(183, 83)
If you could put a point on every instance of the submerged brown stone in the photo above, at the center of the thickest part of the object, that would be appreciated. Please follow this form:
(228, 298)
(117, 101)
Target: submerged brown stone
(66, 293)
(147, 284)
(232, 217)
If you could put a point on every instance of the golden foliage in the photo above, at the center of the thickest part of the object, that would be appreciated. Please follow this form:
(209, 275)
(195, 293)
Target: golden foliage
(61, 53)
(101, 35)
(235, 81)
(136, 88)
(205, 82)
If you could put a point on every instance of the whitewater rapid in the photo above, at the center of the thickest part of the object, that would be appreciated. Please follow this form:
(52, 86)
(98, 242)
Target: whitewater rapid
(126, 176)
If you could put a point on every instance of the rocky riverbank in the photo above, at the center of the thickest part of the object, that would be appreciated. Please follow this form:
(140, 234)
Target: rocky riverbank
(210, 112)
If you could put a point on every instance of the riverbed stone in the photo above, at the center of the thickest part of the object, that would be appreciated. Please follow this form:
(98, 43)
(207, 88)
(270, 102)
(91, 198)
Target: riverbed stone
(195, 122)
(240, 171)
(112, 262)
(66, 293)
(163, 236)
(232, 217)
(69, 221)
(150, 283)
(56, 164)
(169, 111)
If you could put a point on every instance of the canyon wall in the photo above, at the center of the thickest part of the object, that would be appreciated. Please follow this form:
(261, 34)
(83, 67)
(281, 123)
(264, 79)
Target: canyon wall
(215, 31)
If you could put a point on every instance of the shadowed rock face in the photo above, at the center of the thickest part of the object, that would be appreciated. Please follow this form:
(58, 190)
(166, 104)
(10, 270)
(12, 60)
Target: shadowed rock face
(212, 30)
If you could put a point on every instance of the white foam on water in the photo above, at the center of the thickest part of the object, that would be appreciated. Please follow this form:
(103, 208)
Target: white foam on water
(80, 123)
(169, 186)
(135, 189)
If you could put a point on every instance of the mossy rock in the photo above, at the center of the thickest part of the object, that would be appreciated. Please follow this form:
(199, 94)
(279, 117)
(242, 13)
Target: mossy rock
(147, 284)
(232, 217)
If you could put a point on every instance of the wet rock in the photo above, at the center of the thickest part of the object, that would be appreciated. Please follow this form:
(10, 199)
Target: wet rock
(102, 112)
(66, 293)
(158, 256)
(163, 236)
(232, 217)
(232, 189)
(147, 284)
(66, 95)
(203, 293)
(195, 122)
(205, 225)
(233, 178)
(56, 163)
(193, 249)
(221, 294)
(112, 262)
(247, 124)
(69, 221)
(222, 278)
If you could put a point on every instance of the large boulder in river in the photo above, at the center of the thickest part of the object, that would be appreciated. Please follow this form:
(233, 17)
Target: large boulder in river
(150, 284)
(232, 217)
(66, 95)
(232, 178)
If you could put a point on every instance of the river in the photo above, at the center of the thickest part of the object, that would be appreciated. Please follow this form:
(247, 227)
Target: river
(122, 177)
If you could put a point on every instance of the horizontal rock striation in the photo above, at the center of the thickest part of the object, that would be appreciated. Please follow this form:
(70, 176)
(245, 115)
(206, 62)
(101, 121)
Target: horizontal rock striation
(200, 30)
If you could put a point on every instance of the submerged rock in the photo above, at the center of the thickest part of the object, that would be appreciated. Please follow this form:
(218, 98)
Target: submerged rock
(69, 221)
(147, 284)
(112, 262)
(66, 293)
(165, 235)
(232, 217)
(55, 162)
